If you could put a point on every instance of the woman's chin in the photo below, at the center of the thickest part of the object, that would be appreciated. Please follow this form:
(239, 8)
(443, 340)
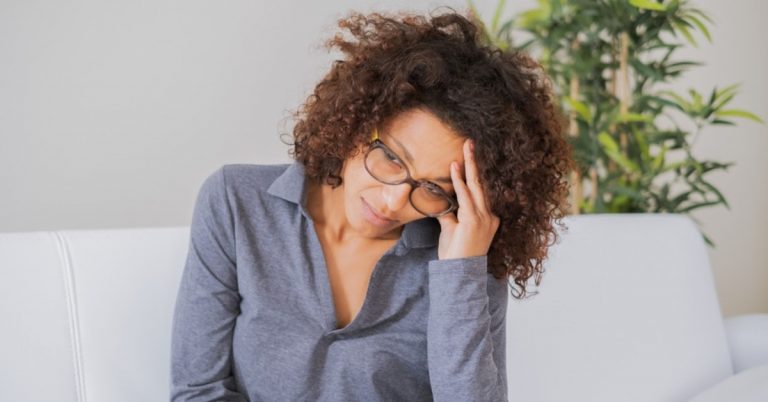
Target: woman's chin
(370, 230)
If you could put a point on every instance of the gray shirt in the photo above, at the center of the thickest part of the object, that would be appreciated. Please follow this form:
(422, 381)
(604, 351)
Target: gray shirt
(254, 318)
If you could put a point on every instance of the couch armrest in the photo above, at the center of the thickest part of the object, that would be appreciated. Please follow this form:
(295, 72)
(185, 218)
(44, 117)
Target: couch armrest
(747, 340)
(750, 385)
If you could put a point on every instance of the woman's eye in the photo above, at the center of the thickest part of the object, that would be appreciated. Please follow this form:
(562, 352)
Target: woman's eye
(450, 193)
(392, 158)
(433, 190)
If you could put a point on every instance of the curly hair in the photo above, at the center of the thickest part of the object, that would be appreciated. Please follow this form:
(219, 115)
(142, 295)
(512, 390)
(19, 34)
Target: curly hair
(501, 99)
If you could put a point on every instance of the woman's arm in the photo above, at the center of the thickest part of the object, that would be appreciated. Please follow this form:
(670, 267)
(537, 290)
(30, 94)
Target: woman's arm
(207, 303)
(466, 331)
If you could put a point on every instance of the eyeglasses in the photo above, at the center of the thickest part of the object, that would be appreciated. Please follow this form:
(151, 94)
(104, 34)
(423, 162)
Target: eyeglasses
(385, 166)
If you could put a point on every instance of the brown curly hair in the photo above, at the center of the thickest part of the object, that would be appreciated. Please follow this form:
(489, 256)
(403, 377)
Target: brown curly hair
(500, 99)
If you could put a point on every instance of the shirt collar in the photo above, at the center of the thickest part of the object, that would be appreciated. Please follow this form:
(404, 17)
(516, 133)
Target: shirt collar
(290, 186)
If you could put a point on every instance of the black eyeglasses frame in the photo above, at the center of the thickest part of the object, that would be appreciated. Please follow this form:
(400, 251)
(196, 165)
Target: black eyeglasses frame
(377, 143)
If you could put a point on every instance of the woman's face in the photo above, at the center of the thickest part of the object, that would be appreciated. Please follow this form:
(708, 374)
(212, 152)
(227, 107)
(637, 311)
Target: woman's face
(426, 146)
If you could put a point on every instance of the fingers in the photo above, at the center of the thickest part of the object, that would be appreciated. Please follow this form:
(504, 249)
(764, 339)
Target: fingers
(473, 179)
(463, 195)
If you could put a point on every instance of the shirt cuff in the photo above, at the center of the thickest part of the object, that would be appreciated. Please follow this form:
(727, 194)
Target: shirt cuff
(477, 265)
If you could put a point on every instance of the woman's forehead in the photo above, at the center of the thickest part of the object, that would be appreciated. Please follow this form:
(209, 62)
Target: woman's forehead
(418, 144)
(427, 158)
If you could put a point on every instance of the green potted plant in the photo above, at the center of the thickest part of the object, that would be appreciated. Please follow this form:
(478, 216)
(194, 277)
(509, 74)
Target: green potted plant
(608, 61)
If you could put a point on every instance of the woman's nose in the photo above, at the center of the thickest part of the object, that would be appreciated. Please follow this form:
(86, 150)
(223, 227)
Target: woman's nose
(396, 195)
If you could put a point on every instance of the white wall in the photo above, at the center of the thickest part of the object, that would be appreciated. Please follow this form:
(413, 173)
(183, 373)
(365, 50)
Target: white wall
(737, 54)
(112, 113)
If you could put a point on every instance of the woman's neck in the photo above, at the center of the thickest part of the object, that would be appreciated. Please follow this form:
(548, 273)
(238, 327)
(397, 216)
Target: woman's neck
(326, 207)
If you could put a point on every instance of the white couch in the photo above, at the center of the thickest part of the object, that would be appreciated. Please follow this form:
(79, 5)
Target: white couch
(626, 311)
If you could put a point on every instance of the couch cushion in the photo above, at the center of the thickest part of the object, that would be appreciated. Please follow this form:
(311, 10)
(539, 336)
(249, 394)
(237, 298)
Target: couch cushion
(127, 281)
(750, 385)
(36, 315)
(626, 311)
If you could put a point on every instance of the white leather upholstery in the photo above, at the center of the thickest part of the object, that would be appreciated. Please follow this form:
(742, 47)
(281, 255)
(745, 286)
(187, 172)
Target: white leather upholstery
(750, 385)
(87, 314)
(626, 311)
(36, 345)
(748, 340)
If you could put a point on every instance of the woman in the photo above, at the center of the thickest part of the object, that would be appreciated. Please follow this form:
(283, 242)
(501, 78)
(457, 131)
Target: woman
(428, 170)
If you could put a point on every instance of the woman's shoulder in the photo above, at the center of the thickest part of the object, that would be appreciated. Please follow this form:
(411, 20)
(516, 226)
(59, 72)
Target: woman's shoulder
(250, 188)
(247, 180)
(252, 175)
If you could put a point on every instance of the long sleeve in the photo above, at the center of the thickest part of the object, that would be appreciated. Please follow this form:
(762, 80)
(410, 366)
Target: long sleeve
(466, 331)
(207, 303)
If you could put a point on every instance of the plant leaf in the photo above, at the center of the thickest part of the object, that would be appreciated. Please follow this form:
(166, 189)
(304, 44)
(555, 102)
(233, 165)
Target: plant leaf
(679, 66)
(664, 102)
(723, 101)
(648, 5)
(716, 191)
(680, 26)
(627, 117)
(679, 99)
(580, 108)
(728, 89)
(672, 166)
(627, 191)
(646, 70)
(739, 113)
(698, 205)
(701, 26)
(496, 15)
(642, 144)
(658, 161)
(622, 160)
(607, 141)
(680, 199)
(723, 122)
(702, 15)
(697, 99)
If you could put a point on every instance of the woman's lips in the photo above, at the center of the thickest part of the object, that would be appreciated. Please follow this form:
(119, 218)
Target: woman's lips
(372, 216)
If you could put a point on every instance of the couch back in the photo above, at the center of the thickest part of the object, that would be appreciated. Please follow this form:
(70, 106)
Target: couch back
(626, 310)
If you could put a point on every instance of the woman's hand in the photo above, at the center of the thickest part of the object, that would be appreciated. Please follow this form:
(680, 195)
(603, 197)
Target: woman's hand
(468, 232)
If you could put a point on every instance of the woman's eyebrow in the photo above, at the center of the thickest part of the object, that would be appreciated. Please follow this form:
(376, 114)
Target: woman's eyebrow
(408, 156)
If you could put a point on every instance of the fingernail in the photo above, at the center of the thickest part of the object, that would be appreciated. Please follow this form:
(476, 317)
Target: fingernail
(471, 145)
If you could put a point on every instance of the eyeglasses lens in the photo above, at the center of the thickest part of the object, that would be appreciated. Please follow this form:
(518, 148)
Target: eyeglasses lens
(385, 168)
